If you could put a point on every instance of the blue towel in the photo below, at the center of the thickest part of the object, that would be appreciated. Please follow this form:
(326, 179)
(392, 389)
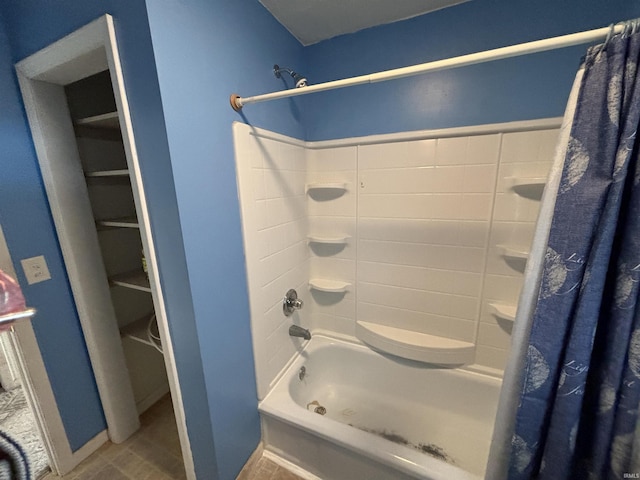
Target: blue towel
(13, 461)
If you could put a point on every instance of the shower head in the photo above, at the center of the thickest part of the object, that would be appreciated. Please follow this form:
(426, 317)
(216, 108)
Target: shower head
(299, 79)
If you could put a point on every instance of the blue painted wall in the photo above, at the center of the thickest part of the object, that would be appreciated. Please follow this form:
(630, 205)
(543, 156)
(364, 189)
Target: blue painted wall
(31, 25)
(205, 50)
(27, 224)
(181, 61)
(534, 86)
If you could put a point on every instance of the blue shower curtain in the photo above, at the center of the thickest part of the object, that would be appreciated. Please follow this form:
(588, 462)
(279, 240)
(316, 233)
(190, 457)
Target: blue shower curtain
(579, 403)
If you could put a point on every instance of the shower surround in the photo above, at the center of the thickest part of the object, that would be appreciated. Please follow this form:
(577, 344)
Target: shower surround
(413, 243)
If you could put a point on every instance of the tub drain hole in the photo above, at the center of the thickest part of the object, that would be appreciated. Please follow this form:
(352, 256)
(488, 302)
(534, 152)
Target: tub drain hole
(316, 407)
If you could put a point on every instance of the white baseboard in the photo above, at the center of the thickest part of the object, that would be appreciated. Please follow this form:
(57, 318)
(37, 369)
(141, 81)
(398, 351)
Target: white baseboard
(90, 447)
(292, 467)
(146, 403)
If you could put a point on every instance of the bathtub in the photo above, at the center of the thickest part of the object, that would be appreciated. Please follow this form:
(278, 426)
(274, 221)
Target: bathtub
(343, 411)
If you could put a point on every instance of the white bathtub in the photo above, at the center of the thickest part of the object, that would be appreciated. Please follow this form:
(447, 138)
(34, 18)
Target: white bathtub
(380, 414)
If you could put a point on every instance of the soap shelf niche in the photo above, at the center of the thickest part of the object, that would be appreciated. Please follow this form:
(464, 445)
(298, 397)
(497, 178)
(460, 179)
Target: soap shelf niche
(326, 186)
(337, 240)
(503, 310)
(527, 187)
(327, 285)
(414, 345)
(512, 251)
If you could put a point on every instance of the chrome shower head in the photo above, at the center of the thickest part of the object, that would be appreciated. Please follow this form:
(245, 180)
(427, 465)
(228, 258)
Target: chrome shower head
(299, 79)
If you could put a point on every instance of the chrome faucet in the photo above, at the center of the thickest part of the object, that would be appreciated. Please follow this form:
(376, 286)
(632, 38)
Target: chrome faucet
(297, 331)
(291, 303)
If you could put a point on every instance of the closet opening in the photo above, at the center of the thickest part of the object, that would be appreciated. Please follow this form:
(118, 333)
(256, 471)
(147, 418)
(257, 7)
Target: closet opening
(79, 116)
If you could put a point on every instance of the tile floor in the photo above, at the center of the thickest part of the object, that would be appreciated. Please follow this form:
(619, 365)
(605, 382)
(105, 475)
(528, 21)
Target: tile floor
(265, 469)
(152, 453)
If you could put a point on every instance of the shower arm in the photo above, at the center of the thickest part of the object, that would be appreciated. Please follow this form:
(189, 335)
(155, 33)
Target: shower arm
(299, 79)
(589, 36)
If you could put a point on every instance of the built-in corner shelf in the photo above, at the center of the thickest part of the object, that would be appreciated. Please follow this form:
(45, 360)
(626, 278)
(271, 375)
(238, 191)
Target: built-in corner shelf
(138, 330)
(107, 120)
(107, 173)
(512, 251)
(338, 240)
(503, 310)
(326, 285)
(326, 186)
(136, 280)
(124, 222)
(528, 187)
(413, 345)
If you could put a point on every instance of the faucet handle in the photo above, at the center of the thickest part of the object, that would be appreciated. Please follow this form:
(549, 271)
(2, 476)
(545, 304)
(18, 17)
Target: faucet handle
(291, 303)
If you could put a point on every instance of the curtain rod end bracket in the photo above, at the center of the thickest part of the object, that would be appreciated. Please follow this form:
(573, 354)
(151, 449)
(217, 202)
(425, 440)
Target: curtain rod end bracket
(236, 102)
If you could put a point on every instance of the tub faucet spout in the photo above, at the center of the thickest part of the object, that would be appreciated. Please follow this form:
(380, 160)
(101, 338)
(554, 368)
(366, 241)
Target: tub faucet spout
(296, 331)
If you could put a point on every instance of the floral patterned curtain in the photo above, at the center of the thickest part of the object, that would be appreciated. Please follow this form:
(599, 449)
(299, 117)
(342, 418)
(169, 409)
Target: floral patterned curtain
(579, 404)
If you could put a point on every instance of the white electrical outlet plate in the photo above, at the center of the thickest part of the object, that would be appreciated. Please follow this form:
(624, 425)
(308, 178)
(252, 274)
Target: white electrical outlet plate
(35, 269)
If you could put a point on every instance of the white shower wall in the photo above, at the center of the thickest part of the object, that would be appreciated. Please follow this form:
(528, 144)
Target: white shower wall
(271, 184)
(424, 217)
(527, 154)
(424, 212)
(332, 216)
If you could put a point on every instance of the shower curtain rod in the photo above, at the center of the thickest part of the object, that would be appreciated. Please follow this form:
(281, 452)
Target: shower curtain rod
(237, 102)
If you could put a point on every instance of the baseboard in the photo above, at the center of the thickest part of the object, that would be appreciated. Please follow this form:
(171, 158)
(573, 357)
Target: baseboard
(146, 403)
(292, 467)
(88, 448)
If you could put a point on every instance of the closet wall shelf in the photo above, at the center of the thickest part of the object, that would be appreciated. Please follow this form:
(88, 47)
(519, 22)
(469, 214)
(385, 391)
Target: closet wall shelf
(137, 330)
(503, 310)
(414, 345)
(528, 187)
(326, 186)
(331, 240)
(107, 173)
(136, 280)
(327, 285)
(123, 222)
(513, 251)
(107, 120)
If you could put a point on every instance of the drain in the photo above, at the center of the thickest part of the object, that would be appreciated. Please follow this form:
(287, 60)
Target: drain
(316, 407)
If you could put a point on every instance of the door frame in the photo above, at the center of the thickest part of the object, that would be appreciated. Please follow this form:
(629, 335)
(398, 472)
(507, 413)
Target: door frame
(23, 349)
(42, 77)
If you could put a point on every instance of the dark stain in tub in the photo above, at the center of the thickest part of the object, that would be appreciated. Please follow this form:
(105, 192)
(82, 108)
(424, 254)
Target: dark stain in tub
(427, 448)
(393, 437)
(434, 451)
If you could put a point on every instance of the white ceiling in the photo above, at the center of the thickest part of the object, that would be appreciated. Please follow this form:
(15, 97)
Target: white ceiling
(312, 21)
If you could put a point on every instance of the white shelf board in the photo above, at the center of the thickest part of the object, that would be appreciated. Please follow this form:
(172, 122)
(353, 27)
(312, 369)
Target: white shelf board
(327, 285)
(503, 310)
(136, 280)
(107, 173)
(123, 222)
(137, 330)
(528, 187)
(413, 345)
(513, 251)
(326, 186)
(107, 120)
(331, 240)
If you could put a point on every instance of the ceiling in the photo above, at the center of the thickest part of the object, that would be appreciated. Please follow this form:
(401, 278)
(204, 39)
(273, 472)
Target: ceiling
(312, 21)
